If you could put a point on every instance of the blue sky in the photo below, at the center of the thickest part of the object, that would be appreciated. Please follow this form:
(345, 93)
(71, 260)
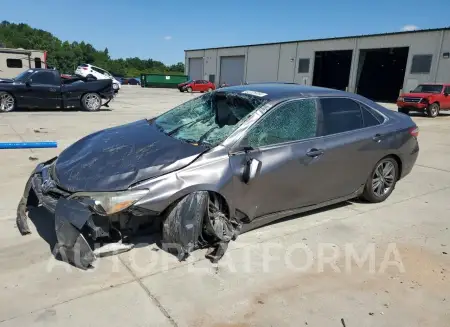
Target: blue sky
(162, 30)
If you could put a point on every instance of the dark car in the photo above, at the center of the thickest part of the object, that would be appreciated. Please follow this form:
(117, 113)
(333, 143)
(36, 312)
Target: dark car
(46, 89)
(229, 160)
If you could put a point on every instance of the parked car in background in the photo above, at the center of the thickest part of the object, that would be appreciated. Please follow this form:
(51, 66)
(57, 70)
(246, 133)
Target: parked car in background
(131, 81)
(428, 98)
(196, 86)
(90, 71)
(247, 154)
(45, 89)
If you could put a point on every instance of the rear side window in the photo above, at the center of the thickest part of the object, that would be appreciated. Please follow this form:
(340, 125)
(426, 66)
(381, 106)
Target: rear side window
(293, 121)
(370, 117)
(340, 115)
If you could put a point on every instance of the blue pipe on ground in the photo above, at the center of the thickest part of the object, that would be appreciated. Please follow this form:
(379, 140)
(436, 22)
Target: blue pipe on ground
(28, 145)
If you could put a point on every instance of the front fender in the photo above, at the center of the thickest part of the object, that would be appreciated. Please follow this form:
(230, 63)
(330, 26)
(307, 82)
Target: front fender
(202, 175)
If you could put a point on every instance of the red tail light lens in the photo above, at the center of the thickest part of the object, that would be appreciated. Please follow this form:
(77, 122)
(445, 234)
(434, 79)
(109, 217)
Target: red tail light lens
(85, 68)
(414, 131)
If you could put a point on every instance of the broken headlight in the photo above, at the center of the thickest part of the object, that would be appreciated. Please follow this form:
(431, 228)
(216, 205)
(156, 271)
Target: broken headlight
(108, 203)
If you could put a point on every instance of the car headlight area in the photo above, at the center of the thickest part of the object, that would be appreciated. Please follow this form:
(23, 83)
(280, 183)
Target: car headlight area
(109, 203)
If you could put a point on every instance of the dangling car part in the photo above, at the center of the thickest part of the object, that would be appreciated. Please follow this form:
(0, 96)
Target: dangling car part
(220, 164)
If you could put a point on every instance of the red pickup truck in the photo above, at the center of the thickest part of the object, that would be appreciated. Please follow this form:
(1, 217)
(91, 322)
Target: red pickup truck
(430, 98)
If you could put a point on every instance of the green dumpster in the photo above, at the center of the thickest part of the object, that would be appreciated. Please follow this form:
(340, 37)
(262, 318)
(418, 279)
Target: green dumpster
(162, 80)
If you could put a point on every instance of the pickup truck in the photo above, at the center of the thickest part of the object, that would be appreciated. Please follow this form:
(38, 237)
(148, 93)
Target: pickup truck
(45, 89)
(429, 98)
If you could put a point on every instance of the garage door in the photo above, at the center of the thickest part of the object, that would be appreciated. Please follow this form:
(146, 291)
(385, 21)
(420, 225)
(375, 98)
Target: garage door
(195, 68)
(232, 70)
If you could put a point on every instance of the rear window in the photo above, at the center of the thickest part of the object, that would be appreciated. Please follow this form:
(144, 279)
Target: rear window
(84, 65)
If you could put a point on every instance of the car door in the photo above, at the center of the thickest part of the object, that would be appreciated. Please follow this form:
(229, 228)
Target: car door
(446, 98)
(284, 142)
(197, 87)
(353, 143)
(44, 90)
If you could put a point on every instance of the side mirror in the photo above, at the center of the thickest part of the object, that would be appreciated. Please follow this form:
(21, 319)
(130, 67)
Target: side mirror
(445, 94)
(28, 83)
(251, 169)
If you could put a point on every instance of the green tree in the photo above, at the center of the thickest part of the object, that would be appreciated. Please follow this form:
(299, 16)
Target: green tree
(67, 56)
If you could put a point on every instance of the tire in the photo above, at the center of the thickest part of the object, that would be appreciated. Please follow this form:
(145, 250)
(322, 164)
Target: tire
(181, 90)
(375, 194)
(91, 102)
(189, 89)
(403, 111)
(183, 223)
(209, 90)
(115, 87)
(433, 110)
(7, 102)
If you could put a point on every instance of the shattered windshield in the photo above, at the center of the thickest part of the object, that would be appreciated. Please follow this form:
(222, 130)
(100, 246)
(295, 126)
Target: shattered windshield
(208, 119)
(428, 88)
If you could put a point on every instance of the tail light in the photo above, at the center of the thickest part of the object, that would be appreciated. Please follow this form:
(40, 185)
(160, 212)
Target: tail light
(85, 68)
(414, 131)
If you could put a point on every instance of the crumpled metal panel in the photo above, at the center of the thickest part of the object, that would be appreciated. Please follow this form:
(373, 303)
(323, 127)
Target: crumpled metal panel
(115, 158)
(70, 217)
(184, 223)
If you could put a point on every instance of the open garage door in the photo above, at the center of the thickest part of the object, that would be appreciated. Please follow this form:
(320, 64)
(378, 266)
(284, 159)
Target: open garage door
(232, 70)
(332, 69)
(381, 73)
(195, 68)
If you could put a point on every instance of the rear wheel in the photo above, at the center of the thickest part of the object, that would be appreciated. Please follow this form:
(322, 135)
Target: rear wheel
(209, 89)
(115, 86)
(91, 102)
(433, 110)
(382, 180)
(7, 102)
(403, 111)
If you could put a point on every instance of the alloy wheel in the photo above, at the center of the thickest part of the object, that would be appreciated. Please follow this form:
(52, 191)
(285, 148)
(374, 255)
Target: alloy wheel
(383, 178)
(92, 101)
(6, 102)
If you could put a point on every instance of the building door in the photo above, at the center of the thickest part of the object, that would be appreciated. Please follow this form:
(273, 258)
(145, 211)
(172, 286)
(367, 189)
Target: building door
(232, 70)
(195, 68)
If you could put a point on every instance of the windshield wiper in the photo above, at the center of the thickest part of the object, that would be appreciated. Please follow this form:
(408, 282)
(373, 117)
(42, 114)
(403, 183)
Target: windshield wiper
(195, 142)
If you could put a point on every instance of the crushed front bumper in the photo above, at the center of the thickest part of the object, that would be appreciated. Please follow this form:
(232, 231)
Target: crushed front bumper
(72, 219)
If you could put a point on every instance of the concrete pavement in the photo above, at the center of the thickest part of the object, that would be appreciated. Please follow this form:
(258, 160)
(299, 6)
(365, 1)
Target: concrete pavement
(371, 265)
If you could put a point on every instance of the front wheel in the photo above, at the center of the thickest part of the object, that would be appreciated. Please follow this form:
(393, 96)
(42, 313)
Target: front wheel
(403, 111)
(382, 180)
(7, 102)
(189, 89)
(433, 110)
(91, 102)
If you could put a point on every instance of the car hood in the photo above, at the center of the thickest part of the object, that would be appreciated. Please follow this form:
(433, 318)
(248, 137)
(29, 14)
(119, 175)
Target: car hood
(114, 159)
(418, 95)
(6, 80)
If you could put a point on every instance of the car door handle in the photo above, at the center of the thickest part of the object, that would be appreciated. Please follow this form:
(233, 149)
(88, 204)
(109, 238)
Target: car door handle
(377, 138)
(314, 152)
(52, 89)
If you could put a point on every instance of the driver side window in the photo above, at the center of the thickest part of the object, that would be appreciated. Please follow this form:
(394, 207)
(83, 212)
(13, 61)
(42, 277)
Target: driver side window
(293, 121)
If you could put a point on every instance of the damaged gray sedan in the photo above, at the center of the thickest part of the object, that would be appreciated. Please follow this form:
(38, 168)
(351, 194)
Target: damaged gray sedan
(227, 161)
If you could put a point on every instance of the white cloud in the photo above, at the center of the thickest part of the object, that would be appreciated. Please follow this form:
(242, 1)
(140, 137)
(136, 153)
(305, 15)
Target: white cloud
(167, 38)
(409, 28)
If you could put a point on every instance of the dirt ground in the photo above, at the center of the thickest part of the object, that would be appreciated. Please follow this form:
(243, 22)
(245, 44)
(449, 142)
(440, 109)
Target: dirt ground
(354, 263)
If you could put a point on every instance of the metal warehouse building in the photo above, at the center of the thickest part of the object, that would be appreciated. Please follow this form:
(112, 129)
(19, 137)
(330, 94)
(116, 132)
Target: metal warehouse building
(377, 66)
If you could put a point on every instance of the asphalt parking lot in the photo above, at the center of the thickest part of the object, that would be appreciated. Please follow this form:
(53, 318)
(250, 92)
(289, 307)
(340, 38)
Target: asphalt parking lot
(296, 272)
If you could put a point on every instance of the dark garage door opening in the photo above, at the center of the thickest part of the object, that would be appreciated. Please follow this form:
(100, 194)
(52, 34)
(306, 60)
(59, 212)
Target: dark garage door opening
(381, 73)
(332, 69)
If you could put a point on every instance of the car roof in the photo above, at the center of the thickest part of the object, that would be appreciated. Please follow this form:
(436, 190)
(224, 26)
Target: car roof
(278, 91)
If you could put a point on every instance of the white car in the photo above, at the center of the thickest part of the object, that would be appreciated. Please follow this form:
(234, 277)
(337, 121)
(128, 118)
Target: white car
(87, 70)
